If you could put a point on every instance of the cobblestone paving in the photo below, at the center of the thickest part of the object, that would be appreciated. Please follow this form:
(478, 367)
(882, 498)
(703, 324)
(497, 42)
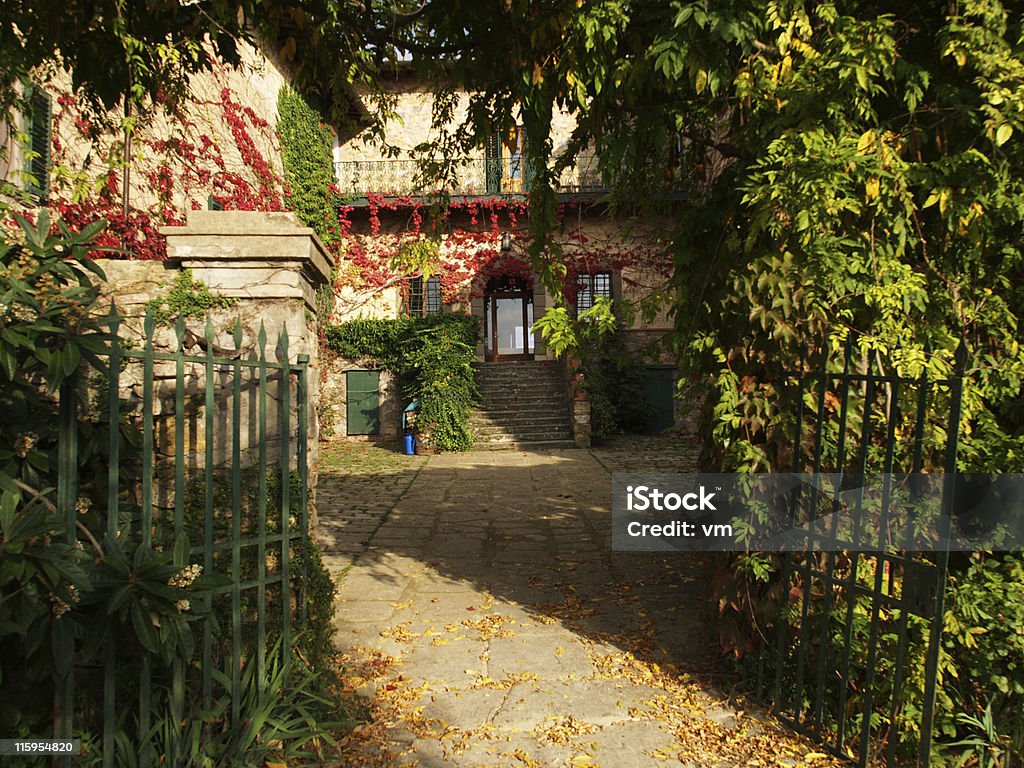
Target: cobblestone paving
(486, 622)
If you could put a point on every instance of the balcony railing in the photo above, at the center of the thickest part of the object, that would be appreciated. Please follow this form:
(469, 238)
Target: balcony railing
(475, 176)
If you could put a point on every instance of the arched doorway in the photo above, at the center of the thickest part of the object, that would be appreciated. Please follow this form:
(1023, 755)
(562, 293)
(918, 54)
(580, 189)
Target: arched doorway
(508, 319)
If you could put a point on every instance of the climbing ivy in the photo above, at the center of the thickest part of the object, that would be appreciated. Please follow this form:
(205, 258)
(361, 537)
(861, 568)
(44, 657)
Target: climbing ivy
(188, 297)
(308, 163)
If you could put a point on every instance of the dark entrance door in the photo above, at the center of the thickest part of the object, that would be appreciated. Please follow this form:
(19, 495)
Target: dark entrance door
(508, 320)
(659, 390)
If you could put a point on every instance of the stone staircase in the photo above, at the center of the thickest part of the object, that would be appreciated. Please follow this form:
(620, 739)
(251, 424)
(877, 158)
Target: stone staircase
(523, 406)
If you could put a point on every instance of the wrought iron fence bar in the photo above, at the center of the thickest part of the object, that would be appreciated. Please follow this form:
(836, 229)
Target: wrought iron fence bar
(922, 405)
(852, 585)
(301, 406)
(113, 525)
(876, 608)
(948, 490)
(146, 521)
(208, 477)
(179, 430)
(286, 598)
(261, 555)
(236, 533)
(177, 692)
(67, 493)
(787, 568)
(147, 432)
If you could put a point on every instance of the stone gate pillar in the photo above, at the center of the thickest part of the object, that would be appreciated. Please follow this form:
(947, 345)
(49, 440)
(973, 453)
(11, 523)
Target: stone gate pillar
(273, 267)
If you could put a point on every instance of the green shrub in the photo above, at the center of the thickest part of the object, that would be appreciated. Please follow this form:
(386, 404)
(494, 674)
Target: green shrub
(188, 298)
(984, 640)
(615, 383)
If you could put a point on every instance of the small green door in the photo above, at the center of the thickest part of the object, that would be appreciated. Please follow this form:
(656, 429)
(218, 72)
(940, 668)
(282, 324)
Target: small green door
(363, 410)
(659, 391)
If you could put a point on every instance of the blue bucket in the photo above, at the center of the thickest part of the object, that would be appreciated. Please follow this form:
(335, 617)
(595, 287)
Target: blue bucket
(410, 445)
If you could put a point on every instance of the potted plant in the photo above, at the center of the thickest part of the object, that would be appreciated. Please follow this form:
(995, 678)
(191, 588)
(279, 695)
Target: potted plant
(424, 444)
(579, 386)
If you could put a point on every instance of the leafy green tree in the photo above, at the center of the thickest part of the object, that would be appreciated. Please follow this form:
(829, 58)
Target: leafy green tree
(148, 49)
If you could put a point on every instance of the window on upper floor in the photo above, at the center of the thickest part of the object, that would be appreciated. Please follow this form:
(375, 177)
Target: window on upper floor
(36, 149)
(590, 287)
(424, 297)
(25, 139)
(508, 171)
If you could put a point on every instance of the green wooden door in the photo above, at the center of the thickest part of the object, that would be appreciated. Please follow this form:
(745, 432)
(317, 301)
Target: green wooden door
(659, 390)
(363, 403)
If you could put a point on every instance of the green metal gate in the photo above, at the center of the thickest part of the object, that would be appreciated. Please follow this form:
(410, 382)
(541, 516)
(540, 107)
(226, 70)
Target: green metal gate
(362, 390)
(205, 467)
(857, 632)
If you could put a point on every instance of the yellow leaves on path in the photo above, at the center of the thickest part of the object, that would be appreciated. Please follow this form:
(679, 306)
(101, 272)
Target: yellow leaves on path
(490, 626)
(504, 683)
(562, 730)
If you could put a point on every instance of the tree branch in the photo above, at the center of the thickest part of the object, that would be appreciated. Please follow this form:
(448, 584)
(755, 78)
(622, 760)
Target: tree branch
(37, 494)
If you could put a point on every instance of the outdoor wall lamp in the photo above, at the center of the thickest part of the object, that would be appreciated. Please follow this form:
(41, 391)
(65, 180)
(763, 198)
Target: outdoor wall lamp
(506, 242)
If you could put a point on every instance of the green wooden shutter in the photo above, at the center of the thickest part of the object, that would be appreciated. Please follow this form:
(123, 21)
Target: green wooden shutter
(527, 163)
(414, 299)
(493, 160)
(38, 129)
(363, 402)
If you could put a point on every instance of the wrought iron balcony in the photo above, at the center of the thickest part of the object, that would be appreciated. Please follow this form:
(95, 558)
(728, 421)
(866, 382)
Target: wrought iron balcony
(476, 176)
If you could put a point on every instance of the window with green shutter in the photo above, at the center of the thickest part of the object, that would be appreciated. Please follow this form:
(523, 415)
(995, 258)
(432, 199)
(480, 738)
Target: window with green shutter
(38, 123)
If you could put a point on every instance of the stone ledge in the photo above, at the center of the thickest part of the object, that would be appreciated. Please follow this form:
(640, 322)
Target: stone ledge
(251, 254)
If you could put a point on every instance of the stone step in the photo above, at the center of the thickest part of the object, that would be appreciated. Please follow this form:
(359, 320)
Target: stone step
(492, 419)
(522, 412)
(524, 432)
(526, 376)
(519, 402)
(512, 439)
(530, 445)
(514, 375)
(531, 390)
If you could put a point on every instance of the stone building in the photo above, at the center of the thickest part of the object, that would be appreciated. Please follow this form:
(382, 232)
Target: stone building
(482, 267)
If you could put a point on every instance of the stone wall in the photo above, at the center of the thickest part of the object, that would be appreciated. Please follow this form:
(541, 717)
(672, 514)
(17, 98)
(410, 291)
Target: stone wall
(411, 124)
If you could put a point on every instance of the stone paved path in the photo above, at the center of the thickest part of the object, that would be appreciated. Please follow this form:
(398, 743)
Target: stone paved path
(486, 622)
